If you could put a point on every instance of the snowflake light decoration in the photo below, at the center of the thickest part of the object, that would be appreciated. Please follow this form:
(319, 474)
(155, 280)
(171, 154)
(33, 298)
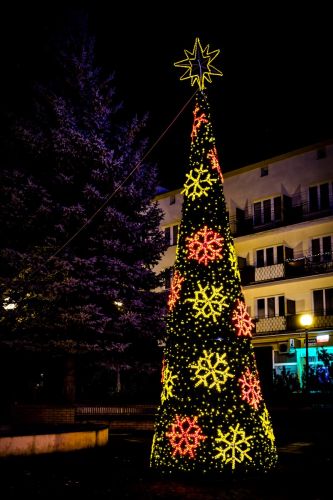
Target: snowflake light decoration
(266, 423)
(242, 320)
(198, 120)
(163, 369)
(185, 436)
(212, 156)
(250, 386)
(168, 383)
(194, 186)
(208, 305)
(198, 65)
(176, 285)
(211, 370)
(234, 261)
(236, 446)
(205, 245)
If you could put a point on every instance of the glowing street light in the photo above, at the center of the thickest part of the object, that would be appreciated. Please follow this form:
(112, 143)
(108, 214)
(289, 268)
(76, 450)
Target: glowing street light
(306, 320)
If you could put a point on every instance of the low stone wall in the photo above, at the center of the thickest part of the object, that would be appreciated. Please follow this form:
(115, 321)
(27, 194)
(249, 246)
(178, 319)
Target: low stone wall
(50, 443)
(43, 414)
(137, 417)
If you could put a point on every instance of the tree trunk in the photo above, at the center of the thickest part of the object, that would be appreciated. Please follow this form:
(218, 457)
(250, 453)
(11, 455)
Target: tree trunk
(69, 379)
(118, 386)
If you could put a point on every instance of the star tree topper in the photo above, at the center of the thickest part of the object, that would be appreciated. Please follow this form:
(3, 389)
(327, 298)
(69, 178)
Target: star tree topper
(198, 65)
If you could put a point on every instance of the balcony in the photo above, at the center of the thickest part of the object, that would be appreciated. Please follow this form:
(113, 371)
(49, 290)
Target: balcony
(292, 212)
(276, 325)
(269, 272)
(309, 265)
(321, 321)
(292, 268)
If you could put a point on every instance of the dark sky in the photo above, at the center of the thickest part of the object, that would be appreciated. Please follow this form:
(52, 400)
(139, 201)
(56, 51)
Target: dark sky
(275, 95)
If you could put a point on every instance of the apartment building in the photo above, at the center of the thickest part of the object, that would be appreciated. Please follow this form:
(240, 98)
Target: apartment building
(281, 219)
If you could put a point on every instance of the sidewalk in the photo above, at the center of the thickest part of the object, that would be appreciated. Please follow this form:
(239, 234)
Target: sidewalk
(121, 470)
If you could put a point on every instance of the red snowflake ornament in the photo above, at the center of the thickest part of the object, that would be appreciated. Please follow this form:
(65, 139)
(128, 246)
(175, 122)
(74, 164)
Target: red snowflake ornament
(185, 436)
(250, 387)
(241, 320)
(198, 120)
(175, 288)
(212, 156)
(163, 370)
(205, 245)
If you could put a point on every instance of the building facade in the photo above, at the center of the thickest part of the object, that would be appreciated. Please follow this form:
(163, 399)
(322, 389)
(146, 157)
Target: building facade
(281, 218)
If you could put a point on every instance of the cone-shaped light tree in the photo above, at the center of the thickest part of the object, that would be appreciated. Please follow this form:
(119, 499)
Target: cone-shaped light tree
(212, 416)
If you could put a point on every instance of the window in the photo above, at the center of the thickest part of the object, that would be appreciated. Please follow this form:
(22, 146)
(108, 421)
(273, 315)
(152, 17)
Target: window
(172, 200)
(267, 211)
(171, 234)
(321, 249)
(319, 198)
(168, 272)
(323, 301)
(264, 171)
(273, 255)
(167, 234)
(269, 307)
(175, 235)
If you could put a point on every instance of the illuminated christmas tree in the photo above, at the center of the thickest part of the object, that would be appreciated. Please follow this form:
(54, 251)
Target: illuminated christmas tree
(212, 416)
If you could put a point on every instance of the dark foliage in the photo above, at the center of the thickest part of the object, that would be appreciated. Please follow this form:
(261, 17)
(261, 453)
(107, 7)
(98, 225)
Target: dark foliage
(65, 171)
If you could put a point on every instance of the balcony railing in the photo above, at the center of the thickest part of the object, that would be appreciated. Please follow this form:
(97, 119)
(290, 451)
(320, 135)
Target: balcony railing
(320, 322)
(269, 272)
(293, 211)
(274, 324)
(309, 265)
(290, 323)
(291, 268)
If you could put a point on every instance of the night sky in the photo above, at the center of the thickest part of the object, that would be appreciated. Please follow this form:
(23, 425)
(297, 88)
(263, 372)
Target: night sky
(275, 95)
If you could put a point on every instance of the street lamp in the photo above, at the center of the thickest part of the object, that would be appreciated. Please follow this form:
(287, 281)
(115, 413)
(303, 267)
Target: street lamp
(306, 320)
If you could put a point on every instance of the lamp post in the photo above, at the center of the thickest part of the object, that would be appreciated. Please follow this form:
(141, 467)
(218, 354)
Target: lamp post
(306, 320)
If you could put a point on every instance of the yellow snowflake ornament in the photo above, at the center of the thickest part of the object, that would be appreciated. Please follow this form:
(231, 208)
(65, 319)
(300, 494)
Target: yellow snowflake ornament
(234, 446)
(168, 383)
(208, 302)
(198, 183)
(211, 370)
(266, 423)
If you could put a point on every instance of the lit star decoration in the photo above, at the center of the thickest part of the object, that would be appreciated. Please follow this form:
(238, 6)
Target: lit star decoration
(208, 302)
(210, 379)
(242, 320)
(211, 370)
(251, 391)
(168, 383)
(235, 446)
(205, 245)
(198, 65)
(176, 285)
(198, 120)
(194, 186)
(185, 436)
(212, 156)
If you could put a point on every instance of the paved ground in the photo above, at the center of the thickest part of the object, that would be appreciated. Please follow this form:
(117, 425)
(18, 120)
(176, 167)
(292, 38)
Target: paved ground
(120, 471)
